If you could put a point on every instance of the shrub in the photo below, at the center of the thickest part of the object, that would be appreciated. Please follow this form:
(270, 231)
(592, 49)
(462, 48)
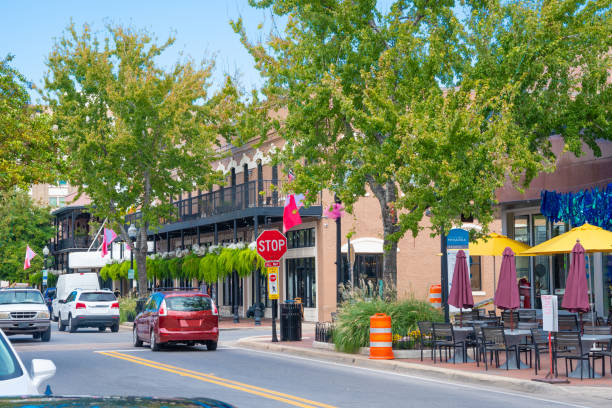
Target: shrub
(352, 329)
(127, 309)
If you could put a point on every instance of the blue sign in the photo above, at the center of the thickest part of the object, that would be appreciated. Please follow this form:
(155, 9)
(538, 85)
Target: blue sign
(458, 238)
(130, 274)
(44, 277)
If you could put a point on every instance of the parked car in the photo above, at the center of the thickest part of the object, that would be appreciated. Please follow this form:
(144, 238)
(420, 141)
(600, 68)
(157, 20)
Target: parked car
(88, 308)
(23, 311)
(68, 282)
(49, 295)
(14, 378)
(177, 317)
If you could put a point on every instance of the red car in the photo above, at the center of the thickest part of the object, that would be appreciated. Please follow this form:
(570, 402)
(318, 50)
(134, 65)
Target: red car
(177, 317)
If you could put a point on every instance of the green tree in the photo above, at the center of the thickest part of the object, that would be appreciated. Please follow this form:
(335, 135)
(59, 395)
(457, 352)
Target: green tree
(22, 223)
(431, 105)
(137, 135)
(29, 150)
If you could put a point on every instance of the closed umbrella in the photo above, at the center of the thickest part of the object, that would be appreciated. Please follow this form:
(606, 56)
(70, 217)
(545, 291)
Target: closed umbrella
(576, 298)
(493, 245)
(460, 295)
(507, 293)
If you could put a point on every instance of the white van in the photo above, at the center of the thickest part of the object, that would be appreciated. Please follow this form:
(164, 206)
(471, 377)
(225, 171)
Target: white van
(68, 282)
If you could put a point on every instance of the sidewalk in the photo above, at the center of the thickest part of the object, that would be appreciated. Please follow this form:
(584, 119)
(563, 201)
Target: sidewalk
(594, 391)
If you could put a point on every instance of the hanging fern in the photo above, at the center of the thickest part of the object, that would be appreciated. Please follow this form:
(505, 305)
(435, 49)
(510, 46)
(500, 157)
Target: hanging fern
(113, 271)
(227, 260)
(191, 266)
(164, 269)
(104, 272)
(209, 268)
(152, 268)
(247, 261)
(175, 267)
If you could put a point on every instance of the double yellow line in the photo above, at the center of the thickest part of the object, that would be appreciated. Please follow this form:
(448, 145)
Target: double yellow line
(223, 382)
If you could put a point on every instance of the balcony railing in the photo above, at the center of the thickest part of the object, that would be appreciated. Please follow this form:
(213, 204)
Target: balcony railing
(227, 199)
(79, 242)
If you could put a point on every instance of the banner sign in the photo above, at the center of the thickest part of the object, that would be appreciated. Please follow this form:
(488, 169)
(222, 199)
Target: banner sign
(273, 283)
(457, 239)
(550, 313)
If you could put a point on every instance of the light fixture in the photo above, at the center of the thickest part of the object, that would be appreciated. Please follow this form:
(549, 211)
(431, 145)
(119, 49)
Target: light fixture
(132, 232)
(45, 251)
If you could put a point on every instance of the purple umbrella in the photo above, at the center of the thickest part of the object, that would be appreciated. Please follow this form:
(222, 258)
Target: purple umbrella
(507, 293)
(461, 290)
(576, 298)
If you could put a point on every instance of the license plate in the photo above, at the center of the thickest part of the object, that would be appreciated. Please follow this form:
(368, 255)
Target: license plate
(190, 323)
(98, 310)
(24, 325)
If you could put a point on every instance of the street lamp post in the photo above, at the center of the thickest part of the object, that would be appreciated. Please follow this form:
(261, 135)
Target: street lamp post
(132, 234)
(45, 256)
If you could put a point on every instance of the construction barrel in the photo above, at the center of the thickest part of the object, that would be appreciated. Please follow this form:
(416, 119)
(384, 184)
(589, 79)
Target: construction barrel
(381, 341)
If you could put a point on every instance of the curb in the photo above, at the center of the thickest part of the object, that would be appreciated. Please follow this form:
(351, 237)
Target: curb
(596, 395)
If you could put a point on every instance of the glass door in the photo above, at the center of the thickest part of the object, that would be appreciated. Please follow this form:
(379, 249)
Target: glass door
(541, 269)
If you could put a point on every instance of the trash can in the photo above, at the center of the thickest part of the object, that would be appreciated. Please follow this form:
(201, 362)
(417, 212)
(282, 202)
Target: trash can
(290, 322)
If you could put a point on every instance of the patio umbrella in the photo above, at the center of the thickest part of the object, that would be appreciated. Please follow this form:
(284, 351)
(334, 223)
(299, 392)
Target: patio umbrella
(507, 293)
(460, 295)
(592, 239)
(576, 298)
(494, 245)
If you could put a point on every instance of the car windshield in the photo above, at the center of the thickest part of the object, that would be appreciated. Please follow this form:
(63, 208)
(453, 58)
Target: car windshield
(20, 296)
(9, 367)
(188, 303)
(97, 297)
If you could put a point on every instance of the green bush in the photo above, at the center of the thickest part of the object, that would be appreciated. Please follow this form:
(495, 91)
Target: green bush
(127, 309)
(352, 329)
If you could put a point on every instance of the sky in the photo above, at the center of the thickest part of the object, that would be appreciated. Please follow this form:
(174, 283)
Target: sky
(29, 29)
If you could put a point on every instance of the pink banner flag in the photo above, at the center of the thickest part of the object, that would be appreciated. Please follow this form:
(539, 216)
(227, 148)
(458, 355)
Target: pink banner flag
(28, 257)
(109, 237)
(291, 215)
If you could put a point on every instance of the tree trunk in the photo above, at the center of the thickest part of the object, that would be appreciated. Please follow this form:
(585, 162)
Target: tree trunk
(386, 195)
(141, 260)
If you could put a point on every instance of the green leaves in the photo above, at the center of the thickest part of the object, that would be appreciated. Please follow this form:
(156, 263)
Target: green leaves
(30, 152)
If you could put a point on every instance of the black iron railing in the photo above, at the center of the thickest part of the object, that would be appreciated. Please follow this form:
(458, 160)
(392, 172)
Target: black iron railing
(265, 193)
(324, 332)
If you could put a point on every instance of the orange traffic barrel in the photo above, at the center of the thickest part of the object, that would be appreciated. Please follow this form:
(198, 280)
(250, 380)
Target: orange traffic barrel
(435, 295)
(381, 341)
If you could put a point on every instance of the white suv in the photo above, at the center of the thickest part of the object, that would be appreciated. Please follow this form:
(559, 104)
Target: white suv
(89, 308)
(23, 311)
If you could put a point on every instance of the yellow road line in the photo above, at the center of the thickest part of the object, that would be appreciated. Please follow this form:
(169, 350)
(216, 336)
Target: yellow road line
(263, 392)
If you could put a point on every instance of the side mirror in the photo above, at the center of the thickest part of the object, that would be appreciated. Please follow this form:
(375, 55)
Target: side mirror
(42, 370)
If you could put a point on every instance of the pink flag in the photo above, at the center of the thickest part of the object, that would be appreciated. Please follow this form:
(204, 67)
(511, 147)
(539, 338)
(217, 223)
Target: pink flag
(336, 212)
(109, 237)
(291, 215)
(28, 257)
(299, 200)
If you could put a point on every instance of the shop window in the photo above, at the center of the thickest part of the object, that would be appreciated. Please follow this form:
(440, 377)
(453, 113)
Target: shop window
(366, 271)
(61, 201)
(53, 201)
(475, 273)
(301, 280)
(302, 238)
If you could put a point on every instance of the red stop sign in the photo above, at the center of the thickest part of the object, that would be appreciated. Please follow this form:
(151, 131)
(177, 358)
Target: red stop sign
(273, 278)
(271, 245)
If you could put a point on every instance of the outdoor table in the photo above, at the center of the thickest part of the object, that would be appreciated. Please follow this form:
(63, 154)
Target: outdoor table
(462, 333)
(514, 337)
(588, 340)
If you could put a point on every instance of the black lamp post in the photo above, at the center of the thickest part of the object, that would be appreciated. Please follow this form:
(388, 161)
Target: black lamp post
(45, 256)
(132, 233)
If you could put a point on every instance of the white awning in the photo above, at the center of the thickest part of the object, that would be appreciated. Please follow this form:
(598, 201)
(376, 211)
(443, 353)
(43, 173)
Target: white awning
(366, 245)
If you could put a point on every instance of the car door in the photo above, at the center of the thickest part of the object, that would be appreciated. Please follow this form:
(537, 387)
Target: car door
(65, 305)
(142, 325)
(152, 314)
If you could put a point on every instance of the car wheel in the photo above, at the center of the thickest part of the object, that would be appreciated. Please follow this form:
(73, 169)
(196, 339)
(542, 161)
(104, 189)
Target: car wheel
(101, 329)
(135, 340)
(115, 328)
(153, 343)
(71, 324)
(211, 345)
(46, 335)
(60, 326)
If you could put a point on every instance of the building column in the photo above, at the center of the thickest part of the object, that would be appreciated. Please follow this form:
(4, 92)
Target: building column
(235, 283)
(258, 311)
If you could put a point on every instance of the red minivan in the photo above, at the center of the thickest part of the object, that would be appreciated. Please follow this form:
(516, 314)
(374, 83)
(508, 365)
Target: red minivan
(177, 317)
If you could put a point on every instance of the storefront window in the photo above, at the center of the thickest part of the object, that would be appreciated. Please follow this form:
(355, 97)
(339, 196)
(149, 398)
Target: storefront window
(560, 263)
(301, 280)
(302, 238)
(475, 272)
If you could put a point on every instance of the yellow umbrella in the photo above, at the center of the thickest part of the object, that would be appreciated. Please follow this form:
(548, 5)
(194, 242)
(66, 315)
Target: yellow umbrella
(592, 238)
(494, 245)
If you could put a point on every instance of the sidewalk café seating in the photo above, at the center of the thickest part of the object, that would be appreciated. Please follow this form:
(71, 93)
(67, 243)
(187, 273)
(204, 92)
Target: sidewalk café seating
(467, 316)
(568, 345)
(567, 322)
(528, 325)
(477, 342)
(494, 342)
(444, 338)
(426, 337)
(603, 348)
(527, 315)
(491, 313)
(539, 344)
(510, 317)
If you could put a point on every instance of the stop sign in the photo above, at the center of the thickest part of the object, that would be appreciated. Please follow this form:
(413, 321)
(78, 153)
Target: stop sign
(271, 245)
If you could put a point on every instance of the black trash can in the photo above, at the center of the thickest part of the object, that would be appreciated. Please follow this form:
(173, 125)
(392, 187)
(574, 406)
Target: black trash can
(290, 322)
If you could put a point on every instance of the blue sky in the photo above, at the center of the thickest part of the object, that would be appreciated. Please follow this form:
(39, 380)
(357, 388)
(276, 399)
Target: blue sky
(201, 29)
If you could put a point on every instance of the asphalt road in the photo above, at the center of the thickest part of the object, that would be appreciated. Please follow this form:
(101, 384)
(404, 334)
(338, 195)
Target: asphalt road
(92, 363)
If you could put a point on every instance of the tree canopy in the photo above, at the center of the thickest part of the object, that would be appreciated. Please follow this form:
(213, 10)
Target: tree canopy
(29, 150)
(432, 105)
(22, 223)
(137, 135)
